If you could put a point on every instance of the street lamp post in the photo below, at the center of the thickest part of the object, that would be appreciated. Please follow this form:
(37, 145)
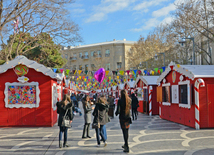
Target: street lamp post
(156, 58)
(193, 43)
(140, 65)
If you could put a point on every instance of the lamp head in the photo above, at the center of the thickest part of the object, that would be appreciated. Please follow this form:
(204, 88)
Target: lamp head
(156, 57)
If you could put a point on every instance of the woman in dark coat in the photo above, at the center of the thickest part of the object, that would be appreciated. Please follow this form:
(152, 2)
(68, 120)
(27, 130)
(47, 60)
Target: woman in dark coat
(135, 105)
(87, 106)
(100, 114)
(62, 107)
(123, 109)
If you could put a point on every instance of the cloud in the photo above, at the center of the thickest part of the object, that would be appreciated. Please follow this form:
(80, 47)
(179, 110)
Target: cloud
(164, 11)
(96, 17)
(167, 20)
(107, 6)
(77, 11)
(147, 4)
(151, 23)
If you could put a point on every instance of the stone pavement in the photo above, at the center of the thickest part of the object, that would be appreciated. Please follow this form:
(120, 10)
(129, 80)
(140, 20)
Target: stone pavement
(147, 135)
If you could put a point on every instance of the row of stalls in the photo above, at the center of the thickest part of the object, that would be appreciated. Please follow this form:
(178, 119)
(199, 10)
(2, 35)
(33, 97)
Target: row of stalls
(181, 94)
(29, 92)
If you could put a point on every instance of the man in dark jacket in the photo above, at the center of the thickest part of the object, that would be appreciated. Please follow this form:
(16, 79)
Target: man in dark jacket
(112, 106)
(135, 105)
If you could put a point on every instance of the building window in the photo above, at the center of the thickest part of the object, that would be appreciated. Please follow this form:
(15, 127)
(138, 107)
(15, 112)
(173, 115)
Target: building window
(119, 65)
(92, 54)
(75, 55)
(80, 67)
(99, 54)
(107, 54)
(86, 55)
(145, 94)
(86, 67)
(92, 66)
(108, 66)
(80, 55)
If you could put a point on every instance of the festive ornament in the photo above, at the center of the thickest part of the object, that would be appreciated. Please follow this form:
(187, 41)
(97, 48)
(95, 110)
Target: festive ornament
(21, 70)
(99, 75)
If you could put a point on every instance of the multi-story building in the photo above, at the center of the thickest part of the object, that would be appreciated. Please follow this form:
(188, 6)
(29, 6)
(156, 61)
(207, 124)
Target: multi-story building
(110, 55)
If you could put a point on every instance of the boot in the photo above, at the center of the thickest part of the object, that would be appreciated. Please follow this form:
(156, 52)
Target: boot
(60, 144)
(84, 130)
(126, 149)
(65, 144)
(88, 128)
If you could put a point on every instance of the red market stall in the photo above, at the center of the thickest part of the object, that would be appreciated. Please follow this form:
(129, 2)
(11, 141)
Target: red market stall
(147, 94)
(129, 86)
(28, 93)
(186, 95)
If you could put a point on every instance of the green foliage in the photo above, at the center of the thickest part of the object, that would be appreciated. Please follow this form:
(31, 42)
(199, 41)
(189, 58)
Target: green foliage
(42, 49)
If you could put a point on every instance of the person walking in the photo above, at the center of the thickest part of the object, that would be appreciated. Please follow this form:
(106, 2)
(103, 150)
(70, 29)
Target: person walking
(112, 106)
(63, 106)
(135, 105)
(87, 106)
(100, 116)
(123, 110)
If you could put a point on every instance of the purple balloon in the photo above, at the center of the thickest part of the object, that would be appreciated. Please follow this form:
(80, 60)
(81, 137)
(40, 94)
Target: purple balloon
(100, 75)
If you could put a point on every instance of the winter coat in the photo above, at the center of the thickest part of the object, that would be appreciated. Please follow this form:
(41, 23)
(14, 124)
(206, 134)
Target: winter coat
(87, 107)
(121, 110)
(135, 102)
(101, 112)
(111, 101)
(61, 110)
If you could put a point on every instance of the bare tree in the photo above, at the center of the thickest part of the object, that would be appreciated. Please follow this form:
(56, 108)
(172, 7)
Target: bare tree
(34, 17)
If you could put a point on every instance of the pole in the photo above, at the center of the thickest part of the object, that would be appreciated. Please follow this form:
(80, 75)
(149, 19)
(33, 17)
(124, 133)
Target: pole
(193, 51)
(164, 59)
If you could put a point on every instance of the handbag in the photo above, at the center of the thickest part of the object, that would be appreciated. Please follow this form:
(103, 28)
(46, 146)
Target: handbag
(96, 125)
(66, 121)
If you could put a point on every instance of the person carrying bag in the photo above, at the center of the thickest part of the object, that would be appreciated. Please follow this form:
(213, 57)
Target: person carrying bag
(100, 119)
(65, 111)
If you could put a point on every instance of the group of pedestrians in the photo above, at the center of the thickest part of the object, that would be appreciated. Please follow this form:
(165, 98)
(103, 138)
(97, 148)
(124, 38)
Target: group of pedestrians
(101, 117)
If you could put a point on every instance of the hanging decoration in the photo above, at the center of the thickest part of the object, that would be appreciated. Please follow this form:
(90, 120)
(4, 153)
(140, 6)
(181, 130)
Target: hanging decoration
(21, 70)
(99, 75)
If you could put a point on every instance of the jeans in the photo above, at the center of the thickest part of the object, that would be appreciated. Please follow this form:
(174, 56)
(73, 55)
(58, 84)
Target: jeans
(99, 133)
(61, 130)
(104, 132)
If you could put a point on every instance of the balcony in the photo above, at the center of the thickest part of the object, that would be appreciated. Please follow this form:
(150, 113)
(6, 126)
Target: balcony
(85, 57)
(73, 58)
(107, 55)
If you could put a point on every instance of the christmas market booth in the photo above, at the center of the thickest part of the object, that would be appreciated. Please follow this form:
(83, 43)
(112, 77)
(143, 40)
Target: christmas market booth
(147, 94)
(28, 93)
(185, 94)
(129, 86)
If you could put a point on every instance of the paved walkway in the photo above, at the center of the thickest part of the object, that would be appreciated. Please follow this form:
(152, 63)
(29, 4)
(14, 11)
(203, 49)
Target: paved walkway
(148, 135)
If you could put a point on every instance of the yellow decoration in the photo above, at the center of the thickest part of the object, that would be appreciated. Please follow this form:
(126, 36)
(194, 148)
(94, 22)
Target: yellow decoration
(75, 72)
(79, 71)
(178, 65)
(77, 78)
(107, 72)
(153, 72)
(80, 77)
(118, 77)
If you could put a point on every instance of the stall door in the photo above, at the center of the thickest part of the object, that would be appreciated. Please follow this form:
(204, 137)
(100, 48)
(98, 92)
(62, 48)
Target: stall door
(210, 105)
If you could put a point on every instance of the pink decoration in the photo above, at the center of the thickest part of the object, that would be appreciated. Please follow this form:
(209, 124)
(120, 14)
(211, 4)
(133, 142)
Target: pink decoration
(99, 75)
(61, 70)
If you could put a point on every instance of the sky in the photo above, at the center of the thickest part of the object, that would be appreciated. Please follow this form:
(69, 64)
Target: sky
(105, 20)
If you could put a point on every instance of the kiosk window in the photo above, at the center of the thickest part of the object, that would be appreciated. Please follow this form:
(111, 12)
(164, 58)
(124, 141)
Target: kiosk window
(183, 94)
(145, 94)
(166, 93)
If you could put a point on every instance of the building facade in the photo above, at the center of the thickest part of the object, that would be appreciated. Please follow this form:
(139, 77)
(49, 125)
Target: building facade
(110, 55)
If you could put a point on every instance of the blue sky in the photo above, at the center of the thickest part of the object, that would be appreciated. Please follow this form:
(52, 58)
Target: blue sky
(105, 20)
